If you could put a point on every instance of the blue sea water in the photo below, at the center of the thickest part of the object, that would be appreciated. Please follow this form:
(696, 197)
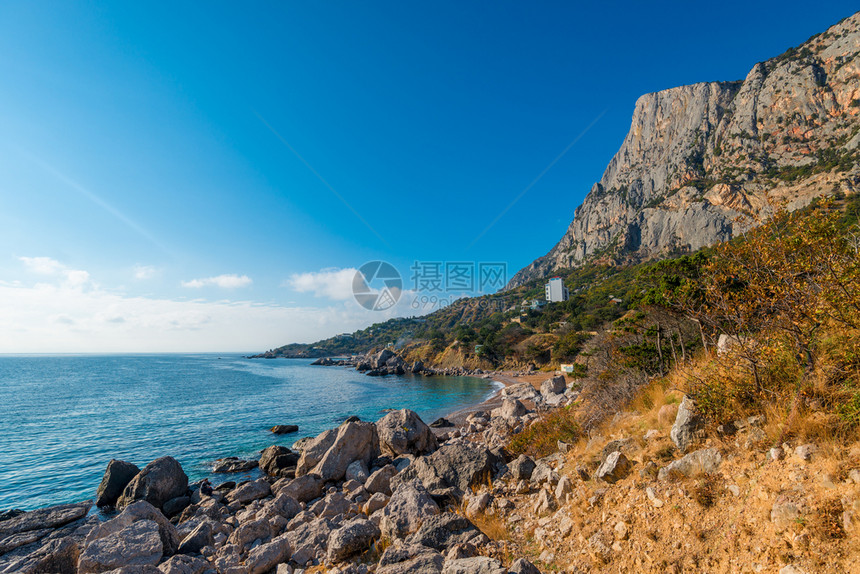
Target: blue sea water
(64, 417)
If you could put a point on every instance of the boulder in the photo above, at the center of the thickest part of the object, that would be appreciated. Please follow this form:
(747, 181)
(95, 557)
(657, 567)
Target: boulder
(133, 513)
(409, 507)
(176, 505)
(380, 481)
(116, 477)
(284, 429)
(158, 482)
(202, 535)
(303, 488)
(180, 564)
(249, 491)
(521, 468)
(50, 517)
(278, 460)
(282, 505)
(699, 462)
(475, 565)
(377, 501)
(554, 386)
(403, 432)
(445, 530)
(332, 505)
(354, 537)
(357, 470)
(380, 359)
(410, 559)
(688, 425)
(136, 545)
(545, 502)
(523, 566)
(247, 532)
(441, 422)
(233, 464)
(453, 465)
(310, 538)
(350, 442)
(510, 409)
(266, 556)
(614, 468)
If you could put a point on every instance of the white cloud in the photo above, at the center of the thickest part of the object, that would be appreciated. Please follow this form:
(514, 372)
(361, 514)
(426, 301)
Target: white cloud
(67, 312)
(231, 281)
(332, 283)
(74, 278)
(144, 272)
(42, 265)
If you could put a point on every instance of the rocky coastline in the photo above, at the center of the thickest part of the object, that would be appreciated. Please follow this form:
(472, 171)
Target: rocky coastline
(398, 495)
(384, 496)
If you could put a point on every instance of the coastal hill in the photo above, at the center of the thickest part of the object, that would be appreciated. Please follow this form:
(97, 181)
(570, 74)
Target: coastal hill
(698, 157)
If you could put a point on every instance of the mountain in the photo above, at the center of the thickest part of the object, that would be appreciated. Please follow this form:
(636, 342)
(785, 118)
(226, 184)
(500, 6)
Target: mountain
(702, 162)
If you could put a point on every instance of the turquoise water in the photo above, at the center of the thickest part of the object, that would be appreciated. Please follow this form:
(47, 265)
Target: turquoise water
(64, 417)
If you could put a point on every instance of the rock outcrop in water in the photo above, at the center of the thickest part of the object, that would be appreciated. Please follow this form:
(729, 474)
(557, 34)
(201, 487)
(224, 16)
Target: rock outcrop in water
(699, 157)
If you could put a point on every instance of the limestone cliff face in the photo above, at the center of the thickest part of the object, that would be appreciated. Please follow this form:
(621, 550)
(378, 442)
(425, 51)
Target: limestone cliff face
(703, 162)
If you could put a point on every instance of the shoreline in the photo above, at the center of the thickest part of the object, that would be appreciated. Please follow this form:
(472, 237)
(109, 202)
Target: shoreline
(506, 379)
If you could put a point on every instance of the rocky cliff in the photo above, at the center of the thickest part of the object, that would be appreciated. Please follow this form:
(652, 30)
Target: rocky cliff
(703, 162)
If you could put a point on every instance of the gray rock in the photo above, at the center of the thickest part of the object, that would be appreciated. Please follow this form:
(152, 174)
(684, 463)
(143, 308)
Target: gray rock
(688, 425)
(184, 565)
(133, 513)
(554, 386)
(523, 566)
(377, 501)
(545, 502)
(704, 461)
(158, 482)
(116, 477)
(403, 432)
(784, 514)
(266, 556)
(310, 538)
(410, 559)
(521, 468)
(247, 532)
(354, 537)
(511, 409)
(303, 488)
(445, 530)
(333, 505)
(476, 565)
(614, 468)
(805, 452)
(233, 464)
(50, 517)
(284, 429)
(203, 535)
(351, 441)
(176, 505)
(453, 465)
(135, 545)
(357, 471)
(380, 481)
(282, 505)
(409, 507)
(249, 491)
(278, 460)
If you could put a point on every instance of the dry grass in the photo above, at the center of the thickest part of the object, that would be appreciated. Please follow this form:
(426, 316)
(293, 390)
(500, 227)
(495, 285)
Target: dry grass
(492, 525)
(541, 437)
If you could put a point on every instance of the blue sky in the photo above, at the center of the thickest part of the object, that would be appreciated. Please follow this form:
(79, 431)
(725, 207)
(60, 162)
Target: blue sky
(178, 176)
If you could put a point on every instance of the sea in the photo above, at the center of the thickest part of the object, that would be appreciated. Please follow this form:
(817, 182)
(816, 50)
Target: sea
(65, 416)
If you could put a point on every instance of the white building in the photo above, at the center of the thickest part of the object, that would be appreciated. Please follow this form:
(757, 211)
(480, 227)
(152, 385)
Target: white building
(556, 291)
